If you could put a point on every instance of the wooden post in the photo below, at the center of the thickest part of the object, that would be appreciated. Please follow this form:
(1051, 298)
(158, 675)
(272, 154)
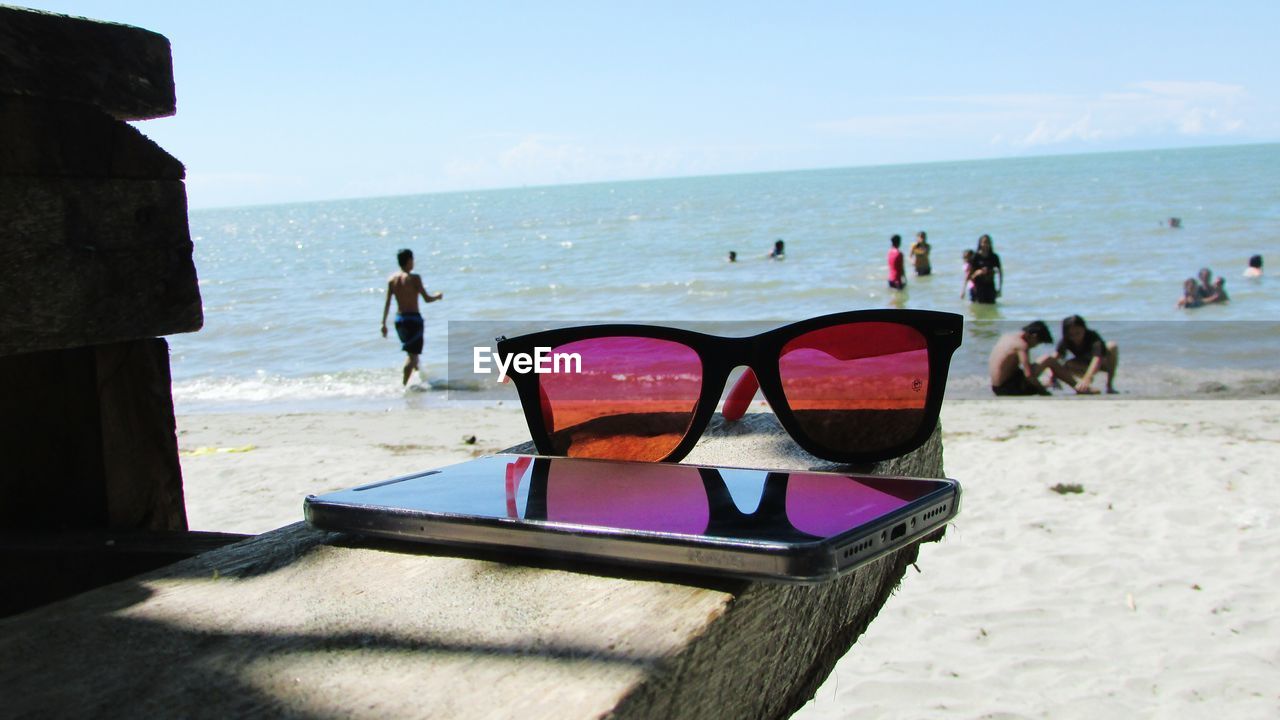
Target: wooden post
(95, 264)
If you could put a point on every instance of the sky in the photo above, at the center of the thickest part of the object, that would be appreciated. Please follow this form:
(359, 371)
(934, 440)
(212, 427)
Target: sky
(290, 102)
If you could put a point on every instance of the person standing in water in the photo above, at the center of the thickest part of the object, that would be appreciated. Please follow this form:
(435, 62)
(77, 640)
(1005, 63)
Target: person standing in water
(920, 255)
(897, 272)
(406, 286)
(986, 273)
(1210, 290)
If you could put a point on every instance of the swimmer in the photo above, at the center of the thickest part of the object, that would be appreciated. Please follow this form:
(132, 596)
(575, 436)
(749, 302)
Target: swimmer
(1190, 295)
(1210, 290)
(1255, 267)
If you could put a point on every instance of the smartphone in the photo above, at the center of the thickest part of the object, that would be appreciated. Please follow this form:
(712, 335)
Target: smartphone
(793, 526)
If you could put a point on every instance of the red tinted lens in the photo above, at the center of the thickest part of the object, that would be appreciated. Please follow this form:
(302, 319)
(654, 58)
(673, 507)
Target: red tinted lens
(859, 387)
(657, 498)
(622, 398)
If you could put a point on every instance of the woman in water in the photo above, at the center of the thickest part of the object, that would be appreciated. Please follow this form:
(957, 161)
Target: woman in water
(986, 273)
(1190, 295)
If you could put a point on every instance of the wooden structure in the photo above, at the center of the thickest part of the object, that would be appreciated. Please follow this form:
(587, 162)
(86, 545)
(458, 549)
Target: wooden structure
(302, 623)
(95, 266)
(95, 258)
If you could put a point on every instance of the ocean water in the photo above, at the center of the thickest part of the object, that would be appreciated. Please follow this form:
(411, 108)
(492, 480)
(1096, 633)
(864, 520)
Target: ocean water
(293, 293)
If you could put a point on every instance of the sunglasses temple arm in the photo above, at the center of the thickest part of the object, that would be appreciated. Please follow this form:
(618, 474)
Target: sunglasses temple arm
(735, 404)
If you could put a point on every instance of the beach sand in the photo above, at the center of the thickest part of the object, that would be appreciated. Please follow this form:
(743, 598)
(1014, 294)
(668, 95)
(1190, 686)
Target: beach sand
(1151, 592)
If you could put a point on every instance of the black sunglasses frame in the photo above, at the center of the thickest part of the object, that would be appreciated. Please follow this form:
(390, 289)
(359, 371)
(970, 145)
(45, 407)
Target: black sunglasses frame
(720, 355)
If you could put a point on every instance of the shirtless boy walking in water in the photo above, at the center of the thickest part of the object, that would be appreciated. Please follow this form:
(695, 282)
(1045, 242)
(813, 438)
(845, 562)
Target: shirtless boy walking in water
(406, 286)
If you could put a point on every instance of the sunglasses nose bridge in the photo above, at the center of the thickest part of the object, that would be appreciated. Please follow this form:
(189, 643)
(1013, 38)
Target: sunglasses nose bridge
(740, 352)
(732, 353)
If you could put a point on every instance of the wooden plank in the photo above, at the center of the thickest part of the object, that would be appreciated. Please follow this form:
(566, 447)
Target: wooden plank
(89, 261)
(38, 568)
(302, 623)
(51, 442)
(125, 71)
(139, 439)
(89, 441)
(62, 139)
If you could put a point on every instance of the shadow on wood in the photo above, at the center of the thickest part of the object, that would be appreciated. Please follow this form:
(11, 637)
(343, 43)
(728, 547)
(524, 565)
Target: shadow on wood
(310, 624)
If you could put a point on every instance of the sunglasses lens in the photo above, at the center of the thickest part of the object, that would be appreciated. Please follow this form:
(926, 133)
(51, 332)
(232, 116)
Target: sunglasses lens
(859, 387)
(632, 398)
(656, 498)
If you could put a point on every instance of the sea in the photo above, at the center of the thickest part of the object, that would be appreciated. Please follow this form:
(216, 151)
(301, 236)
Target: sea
(293, 294)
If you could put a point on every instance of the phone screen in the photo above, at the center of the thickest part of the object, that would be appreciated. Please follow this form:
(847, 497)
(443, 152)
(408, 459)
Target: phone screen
(651, 497)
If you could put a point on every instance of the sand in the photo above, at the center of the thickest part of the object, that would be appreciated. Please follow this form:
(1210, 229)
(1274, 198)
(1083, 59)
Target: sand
(1150, 592)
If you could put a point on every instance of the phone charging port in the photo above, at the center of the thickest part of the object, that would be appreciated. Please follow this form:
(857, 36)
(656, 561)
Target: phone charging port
(898, 531)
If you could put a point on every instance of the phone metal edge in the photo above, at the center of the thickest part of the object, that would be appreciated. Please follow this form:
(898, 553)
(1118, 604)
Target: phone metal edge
(809, 563)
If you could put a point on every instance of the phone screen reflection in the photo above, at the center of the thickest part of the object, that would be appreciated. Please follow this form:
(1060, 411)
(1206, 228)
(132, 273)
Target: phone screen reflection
(691, 500)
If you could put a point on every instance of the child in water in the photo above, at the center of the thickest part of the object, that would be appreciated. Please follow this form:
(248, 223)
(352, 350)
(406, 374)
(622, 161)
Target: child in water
(1190, 295)
(968, 284)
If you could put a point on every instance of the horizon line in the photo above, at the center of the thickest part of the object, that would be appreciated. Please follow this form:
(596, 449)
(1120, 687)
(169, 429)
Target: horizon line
(620, 181)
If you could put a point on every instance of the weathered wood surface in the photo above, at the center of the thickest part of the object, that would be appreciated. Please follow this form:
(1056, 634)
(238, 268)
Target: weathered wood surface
(88, 440)
(301, 623)
(89, 261)
(54, 138)
(125, 71)
(139, 436)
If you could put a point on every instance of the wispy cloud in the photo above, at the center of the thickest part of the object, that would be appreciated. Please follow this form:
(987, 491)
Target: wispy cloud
(1150, 109)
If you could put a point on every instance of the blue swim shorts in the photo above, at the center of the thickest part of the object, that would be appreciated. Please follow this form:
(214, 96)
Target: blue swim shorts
(409, 327)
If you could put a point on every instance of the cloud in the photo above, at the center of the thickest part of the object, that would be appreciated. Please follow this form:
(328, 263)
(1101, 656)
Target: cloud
(1146, 109)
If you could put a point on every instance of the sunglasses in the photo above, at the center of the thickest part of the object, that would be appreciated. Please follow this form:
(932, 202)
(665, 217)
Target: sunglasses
(852, 387)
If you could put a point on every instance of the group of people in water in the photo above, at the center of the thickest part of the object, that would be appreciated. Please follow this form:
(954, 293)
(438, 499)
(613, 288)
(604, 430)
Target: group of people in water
(1205, 290)
(983, 273)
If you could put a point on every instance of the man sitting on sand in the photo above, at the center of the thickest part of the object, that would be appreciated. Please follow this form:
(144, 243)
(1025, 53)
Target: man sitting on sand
(1012, 372)
(1090, 355)
(406, 286)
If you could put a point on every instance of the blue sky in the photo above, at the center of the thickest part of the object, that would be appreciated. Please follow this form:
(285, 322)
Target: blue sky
(281, 102)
